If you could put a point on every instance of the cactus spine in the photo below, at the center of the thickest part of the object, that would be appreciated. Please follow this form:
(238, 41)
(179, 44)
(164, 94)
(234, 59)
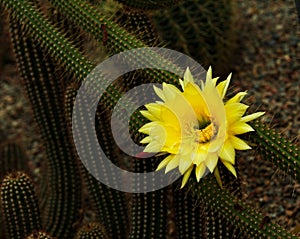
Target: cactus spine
(19, 205)
(45, 93)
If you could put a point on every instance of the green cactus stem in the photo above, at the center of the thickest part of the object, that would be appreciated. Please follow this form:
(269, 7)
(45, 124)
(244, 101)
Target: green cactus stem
(92, 230)
(203, 29)
(234, 212)
(19, 205)
(148, 5)
(149, 211)
(110, 204)
(61, 187)
(13, 158)
(281, 152)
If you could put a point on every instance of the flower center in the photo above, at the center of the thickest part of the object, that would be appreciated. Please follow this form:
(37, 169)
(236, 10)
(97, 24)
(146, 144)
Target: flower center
(206, 133)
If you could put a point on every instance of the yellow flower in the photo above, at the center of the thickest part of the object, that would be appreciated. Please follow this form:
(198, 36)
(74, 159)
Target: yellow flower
(195, 127)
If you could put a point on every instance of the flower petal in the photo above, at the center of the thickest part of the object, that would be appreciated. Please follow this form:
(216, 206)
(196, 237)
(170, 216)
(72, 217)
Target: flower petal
(186, 177)
(173, 163)
(188, 77)
(159, 93)
(209, 74)
(170, 92)
(148, 115)
(240, 128)
(200, 171)
(146, 140)
(235, 111)
(145, 129)
(165, 162)
(199, 157)
(238, 143)
(230, 167)
(211, 162)
(237, 98)
(253, 116)
(228, 153)
(185, 163)
(223, 86)
(218, 177)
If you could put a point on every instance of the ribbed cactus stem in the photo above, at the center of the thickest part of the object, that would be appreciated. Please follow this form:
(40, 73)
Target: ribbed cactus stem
(19, 205)
(281, 152)
(138, 24)
(149, 211)
(203, 29)
(13, 158)
(61, 186)
(188, 214)
(234, 211)
(109, 203)
(92, 230)
(118, 39)
(89, 19)
(149, 5)
(48, 36)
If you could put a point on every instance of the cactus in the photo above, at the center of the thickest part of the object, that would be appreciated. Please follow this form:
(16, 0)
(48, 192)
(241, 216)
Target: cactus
(224, 204)
(148, 5)
(43, 51)
(13, 158)
(109, 204)
(44, 91)
(280, 151)
(39, 235)
(148, 213)
(19, 205)
(91, 230)
(201, 29)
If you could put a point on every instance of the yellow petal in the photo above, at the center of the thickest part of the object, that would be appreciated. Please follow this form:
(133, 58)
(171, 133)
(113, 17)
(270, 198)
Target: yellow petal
(145, 129)
(186, 177)
(209, 74)
(185, 163)
(238, 143)
(153, 147)
(155, 109)
(235, 111)
(196, 99)
(214, 80)
(253, 116)
(200, 170)
(200, 156)
(159, 93)
(211, 162)
(170, 92)
(228, 153)
(223, 86)
(218, 177)
(173, 163)
(188, 77)
(237, 98)
(182, 84)
(240, 128)
(148, 115)
(146, 140)
(230, 167)
(165, 162)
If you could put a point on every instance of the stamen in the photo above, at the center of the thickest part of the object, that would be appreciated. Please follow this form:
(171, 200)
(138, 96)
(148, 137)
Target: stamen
(206, 134)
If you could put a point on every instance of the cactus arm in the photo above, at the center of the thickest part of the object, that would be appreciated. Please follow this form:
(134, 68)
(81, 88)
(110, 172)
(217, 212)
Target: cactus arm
(19, 205)
(45, 92)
